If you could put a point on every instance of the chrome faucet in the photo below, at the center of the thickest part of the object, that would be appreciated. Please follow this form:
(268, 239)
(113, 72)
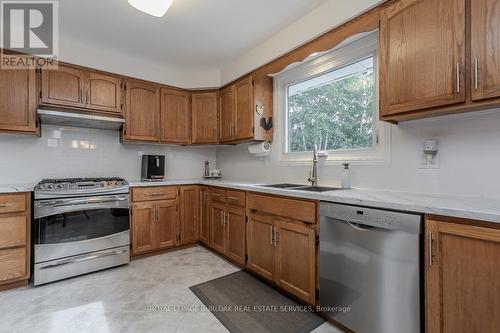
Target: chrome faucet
(313, 174)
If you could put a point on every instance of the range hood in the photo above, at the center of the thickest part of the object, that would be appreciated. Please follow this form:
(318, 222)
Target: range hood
(74, 119)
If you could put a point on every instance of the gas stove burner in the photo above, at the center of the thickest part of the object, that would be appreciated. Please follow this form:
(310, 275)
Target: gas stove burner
(68, 187)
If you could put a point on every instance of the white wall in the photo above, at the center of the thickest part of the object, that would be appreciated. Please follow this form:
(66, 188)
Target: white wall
(116, 61)
(322, 19)
(469, 152)
(25, 159)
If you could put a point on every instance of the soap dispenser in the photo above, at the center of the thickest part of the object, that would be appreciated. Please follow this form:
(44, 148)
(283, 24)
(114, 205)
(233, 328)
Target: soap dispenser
(346, 177)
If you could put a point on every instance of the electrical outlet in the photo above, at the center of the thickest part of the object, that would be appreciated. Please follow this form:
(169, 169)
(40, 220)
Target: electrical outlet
(426, 161)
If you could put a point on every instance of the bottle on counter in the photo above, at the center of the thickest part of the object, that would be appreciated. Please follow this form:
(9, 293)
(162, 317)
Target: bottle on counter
(346, 177)
(207, 169)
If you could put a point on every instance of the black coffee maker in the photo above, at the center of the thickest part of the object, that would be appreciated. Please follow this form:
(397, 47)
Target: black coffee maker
(153, 167)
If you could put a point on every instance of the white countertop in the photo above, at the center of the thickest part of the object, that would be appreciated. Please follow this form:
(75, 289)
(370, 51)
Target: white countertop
(16, 188)
(486, 209)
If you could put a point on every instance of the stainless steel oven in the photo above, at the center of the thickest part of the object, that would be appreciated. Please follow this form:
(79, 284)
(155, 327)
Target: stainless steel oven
(78, 235)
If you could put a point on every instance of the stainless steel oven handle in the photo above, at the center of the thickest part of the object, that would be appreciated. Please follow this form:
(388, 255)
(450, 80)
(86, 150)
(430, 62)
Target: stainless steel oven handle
(84, 258)
(63, 203)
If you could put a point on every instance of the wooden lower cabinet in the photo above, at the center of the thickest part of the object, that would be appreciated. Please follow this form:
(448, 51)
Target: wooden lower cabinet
(204, 216)
(166, 224)
(189, 214)
(235, 225)
(217, 225)
(15, 222)
(143, 216)
(261, 245)
(283, 251)
(462, 278)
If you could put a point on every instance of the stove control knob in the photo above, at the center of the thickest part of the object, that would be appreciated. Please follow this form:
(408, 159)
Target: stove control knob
(41, 187)
(60, 186)
(110, 183)
(51, 186)
(124, 183)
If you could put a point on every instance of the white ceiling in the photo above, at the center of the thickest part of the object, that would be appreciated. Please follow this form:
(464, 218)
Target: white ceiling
(194, 34)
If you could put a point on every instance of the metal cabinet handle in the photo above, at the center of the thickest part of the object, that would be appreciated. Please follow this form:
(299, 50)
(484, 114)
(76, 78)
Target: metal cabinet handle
(157, 215)
(5, 205)
(84, 258)
(271, 235)
(217, 195)
(221, 222)
(154, 194)
(226, 219)
(476, 69)
(430, 249)
(233, 198)
(81, 95)
(275, 236)
(458, 78)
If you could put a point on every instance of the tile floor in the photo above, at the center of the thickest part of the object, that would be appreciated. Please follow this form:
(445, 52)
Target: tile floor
(121, 299)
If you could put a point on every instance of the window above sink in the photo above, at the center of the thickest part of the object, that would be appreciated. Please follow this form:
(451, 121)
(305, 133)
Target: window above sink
(332, 101)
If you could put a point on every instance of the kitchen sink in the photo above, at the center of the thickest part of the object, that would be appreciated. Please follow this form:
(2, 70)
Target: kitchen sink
(316, 188)
(302, 187)
(283, 186)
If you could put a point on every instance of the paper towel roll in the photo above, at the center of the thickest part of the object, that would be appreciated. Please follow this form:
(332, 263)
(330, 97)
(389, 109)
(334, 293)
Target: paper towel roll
(260, 149)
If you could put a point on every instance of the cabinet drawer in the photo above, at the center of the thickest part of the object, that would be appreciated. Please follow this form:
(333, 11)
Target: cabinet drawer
(218, 194)
(154, 193)
(12, 264)
(12, 203)
(12, 231)
(237, 198)
(291, 208)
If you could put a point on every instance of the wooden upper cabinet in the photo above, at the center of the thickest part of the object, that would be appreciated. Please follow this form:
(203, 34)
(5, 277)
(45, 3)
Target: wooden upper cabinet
(296, 258)
(462, 278)
(227, 111)
(485, 49)
(166, 224)
(244, 104)
(18, 100)
(189, 211)
(175, 116)
(64, 86)
(204, 115)
(422, 55)
(142, 112)
(103, 92)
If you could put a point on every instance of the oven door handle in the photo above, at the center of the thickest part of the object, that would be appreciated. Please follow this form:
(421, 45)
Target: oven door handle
(84, 258)
(88, 202)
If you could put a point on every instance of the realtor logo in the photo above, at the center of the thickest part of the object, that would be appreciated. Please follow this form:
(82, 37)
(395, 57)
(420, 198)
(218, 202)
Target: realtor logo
(30, 28)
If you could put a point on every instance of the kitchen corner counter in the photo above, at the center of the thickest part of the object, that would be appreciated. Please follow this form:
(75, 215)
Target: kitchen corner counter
(16, 188)
(477, 208)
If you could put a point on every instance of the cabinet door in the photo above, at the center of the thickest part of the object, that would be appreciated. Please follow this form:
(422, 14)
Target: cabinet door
(217, 225)
(166, 225)
(422, 55)
(64, 86)
(295, 259)
(175, 116)
(143, 231)
(463, 278)
(204, 216)
(235, 233)
(485, 48)
(142, 112)
(260, 245)
(227, 110)
(18, 100)
(189, 204)
(104, 92)
(205, 120)
(244, 109)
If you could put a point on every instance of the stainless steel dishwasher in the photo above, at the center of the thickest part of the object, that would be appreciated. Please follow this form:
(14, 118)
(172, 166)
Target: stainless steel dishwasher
(370, 271)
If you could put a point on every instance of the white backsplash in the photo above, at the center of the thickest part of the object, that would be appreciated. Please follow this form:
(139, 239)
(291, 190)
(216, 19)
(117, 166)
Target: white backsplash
(469, 154)
(81, 152)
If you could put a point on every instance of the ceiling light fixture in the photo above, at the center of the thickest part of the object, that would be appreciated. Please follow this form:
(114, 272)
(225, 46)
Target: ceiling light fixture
(156, 8)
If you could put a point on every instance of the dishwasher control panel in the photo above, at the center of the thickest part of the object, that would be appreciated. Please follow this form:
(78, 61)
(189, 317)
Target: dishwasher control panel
(372, 217)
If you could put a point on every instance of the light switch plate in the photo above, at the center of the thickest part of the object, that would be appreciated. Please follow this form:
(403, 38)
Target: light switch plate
(426, 163)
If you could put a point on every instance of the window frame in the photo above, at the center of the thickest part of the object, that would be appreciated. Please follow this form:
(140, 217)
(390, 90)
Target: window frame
(351, 51)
